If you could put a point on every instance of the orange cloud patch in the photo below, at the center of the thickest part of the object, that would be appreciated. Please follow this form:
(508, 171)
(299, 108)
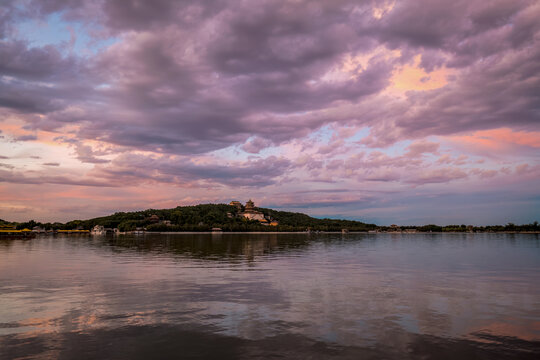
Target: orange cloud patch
(497, 139)
(383, 9)
(413, 77)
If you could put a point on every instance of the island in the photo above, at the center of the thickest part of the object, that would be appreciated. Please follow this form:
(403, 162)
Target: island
(231, 217)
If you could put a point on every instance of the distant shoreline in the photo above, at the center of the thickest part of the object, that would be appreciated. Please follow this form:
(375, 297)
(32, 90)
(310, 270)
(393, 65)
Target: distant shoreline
(326, 232)
(43, 234)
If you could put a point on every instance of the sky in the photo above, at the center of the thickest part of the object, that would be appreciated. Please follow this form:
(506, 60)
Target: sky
(408, 112)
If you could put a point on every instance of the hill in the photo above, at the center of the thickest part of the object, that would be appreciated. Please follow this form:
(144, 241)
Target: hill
(204, 217)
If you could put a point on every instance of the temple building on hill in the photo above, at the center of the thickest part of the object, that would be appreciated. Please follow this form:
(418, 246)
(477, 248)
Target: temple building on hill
(237, 204)
(252, 214)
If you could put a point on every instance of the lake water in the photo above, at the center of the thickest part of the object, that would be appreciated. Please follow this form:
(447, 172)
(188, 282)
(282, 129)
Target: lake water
(292, 296)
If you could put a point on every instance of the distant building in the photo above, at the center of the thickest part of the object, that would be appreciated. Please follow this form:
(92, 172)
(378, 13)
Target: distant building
(98, 230)
(153, 219)
(250, 205)
(395, 228)
(237, 204)
(38, 229)
(252, 214)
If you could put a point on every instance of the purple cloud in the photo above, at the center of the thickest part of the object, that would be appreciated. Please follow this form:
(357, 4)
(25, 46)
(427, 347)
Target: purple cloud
(134, 169)
(190, 94)
(25, 138)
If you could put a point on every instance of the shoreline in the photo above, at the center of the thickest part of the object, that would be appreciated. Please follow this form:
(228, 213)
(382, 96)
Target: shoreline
(324, 232)
(219, 233)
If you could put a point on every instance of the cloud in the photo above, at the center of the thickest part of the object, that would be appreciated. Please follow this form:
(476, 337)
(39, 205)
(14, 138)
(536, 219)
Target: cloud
(17, 177)
(193, 78)
(133, 169)
(46, 63)
(484, 174)
(435, 176)
(255, 145)
(86, 154)
(7, 166)
(51, 164)
(422, 147)
(25, 138)
(342, 94)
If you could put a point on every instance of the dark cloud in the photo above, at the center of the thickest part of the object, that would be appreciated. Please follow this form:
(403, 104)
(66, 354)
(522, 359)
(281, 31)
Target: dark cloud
(51, 164)
(38, 63)
(41, 80)
(136, 15)
(17, 177)
(86, 154)
(25, 98)
(133, 169)
(255, 145)
(25, 138)
(190, 78)
(465, 30)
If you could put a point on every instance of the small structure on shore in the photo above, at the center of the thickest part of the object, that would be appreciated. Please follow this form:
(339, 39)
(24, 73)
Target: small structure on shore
(98, 230)
(10, 231)
(38, 229)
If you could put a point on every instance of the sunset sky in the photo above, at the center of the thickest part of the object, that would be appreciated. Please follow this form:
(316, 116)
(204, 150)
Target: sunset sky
(408, 112)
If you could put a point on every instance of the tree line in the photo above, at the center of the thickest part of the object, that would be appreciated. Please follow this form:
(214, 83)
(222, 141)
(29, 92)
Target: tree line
(205, 217)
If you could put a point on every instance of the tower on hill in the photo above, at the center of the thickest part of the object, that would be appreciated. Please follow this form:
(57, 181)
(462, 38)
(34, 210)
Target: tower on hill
(252, 214)
(237, 204)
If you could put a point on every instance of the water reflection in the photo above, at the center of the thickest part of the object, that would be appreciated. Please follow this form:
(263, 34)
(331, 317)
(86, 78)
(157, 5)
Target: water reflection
(211, 246)
(289, 295)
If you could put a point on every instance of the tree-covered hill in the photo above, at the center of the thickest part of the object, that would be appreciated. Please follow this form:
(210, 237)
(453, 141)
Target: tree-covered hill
(204, 217)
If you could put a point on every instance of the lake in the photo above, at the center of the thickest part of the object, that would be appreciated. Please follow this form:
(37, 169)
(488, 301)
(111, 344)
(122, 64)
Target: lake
(292, 296)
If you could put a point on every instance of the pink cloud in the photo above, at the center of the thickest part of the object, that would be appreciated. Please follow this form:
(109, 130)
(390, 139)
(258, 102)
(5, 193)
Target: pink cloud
(154, 116)
(255, 145)
(498, 140)
(434, 176)
(484, 174)
(422, 147)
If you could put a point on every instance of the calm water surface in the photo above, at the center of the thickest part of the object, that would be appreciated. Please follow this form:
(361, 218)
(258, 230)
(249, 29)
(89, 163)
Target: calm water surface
(430, 296)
